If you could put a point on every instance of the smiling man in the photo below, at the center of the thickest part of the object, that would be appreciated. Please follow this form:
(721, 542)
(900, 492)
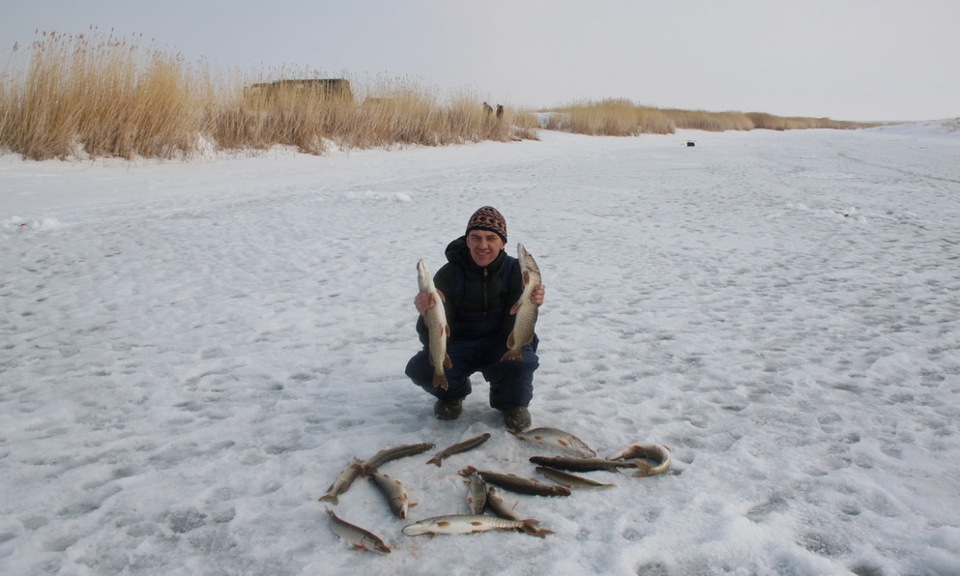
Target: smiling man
(479, 283)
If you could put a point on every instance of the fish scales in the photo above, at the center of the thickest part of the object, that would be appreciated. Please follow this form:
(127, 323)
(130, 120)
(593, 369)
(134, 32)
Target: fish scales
(571, 480)
(517, 484)
(438, 330)
(360, 539)
(343, 481)
(499, 506)
(556, 438)
(459, 448)
(384, 456)
(525, 310)
(472, 524)
(656, 452)
(394, 491)
(581, 464)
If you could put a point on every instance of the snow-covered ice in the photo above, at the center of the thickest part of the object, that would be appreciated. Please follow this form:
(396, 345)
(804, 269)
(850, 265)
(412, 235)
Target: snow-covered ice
(191, 351)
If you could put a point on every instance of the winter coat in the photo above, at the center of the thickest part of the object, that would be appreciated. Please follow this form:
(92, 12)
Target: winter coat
(476, 302)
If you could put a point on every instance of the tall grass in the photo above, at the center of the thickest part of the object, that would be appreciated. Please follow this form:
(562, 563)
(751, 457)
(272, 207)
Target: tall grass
(618, 117)
(99, 95)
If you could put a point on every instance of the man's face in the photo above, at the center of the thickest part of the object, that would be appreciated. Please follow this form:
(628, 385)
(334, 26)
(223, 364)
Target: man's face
(484, 247)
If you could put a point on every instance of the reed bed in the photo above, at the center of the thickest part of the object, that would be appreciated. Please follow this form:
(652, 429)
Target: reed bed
(618, 117)
(96, 95)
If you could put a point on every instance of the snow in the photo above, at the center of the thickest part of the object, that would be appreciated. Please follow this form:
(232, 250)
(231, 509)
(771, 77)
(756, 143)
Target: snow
(192, 350)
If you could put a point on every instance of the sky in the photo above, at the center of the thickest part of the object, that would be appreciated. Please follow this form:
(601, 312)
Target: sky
(843, 59)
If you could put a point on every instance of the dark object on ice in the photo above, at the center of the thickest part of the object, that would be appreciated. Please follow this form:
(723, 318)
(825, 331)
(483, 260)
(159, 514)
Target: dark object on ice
(691, 143)
(330, 88)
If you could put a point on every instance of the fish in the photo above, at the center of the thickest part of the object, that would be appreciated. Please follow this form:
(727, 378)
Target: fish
(394, 491)
(438, 330)
(556, 438)
(574, 464)
(570, 480)
(515, 483)
(458, 448)
(656, 452)
(343, 481)
(472, 524)
(476, 494)
(384, 456)
(499, 506)
(525, 310)
(360, 539)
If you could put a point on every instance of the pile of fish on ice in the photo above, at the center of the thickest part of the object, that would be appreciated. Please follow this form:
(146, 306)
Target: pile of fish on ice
(480, 496)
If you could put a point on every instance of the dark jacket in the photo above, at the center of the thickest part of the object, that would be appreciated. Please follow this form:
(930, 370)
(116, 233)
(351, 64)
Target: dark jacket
(476, 302)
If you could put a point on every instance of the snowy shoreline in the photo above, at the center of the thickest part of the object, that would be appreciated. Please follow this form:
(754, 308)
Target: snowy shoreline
(193, 350)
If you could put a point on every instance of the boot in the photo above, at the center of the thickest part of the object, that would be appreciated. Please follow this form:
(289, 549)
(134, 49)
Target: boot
(448, 409)
(516, 419)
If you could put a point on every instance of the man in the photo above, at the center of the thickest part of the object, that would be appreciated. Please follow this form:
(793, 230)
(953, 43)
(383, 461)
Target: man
(479, 283)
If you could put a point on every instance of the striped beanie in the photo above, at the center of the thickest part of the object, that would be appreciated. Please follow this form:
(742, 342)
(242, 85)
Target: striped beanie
(489, 218)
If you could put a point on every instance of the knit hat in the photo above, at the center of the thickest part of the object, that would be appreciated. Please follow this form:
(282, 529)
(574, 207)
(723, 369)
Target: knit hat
(490, 219)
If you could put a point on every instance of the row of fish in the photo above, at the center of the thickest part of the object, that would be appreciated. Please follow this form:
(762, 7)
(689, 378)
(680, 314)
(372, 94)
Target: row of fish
(482, 492)
(438, 330)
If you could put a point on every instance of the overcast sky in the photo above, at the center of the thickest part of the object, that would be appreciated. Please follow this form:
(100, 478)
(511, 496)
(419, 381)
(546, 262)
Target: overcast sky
(845, 59)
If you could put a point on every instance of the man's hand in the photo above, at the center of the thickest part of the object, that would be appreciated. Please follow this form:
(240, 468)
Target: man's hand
(423, 302)
(538, 295)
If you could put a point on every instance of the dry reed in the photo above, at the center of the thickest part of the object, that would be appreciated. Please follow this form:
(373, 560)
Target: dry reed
(94, 95)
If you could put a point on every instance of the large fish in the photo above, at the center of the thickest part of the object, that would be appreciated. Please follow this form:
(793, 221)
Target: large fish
(458, 448)
(570, 480)
(343, 481)
(388, 454)
(524, 310)
(360, 539)
(394, 491)
(515, 483)
(656, 452)
(472, 524)
(556, 438)
(437, 328)
(576, 464)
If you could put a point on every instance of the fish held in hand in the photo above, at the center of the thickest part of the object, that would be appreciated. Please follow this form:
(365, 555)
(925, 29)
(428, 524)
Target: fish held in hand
(458, 448)
(556, 438)
(525, 310)
(360, 539)
(438, 330)
(473, 524)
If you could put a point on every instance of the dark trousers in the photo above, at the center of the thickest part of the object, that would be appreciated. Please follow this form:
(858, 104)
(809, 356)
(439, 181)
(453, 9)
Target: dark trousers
(511, 382)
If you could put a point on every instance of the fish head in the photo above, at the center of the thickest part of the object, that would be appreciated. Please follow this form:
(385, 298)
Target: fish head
(423, 276)
(527, 263)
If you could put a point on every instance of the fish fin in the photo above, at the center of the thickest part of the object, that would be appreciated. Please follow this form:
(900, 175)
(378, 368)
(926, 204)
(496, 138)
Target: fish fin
(329, 498)
(442, 297)
(447, 362)
(512, 355)
(515, 308)
(526, 277)
(446, 330)
(643, 469)
(440, 381)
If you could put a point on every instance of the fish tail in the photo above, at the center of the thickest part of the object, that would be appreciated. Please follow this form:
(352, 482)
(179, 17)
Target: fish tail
(643, 469)
(515, 355)
(329, 498)
(435, 460)
(530, 527)
(440, 381)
